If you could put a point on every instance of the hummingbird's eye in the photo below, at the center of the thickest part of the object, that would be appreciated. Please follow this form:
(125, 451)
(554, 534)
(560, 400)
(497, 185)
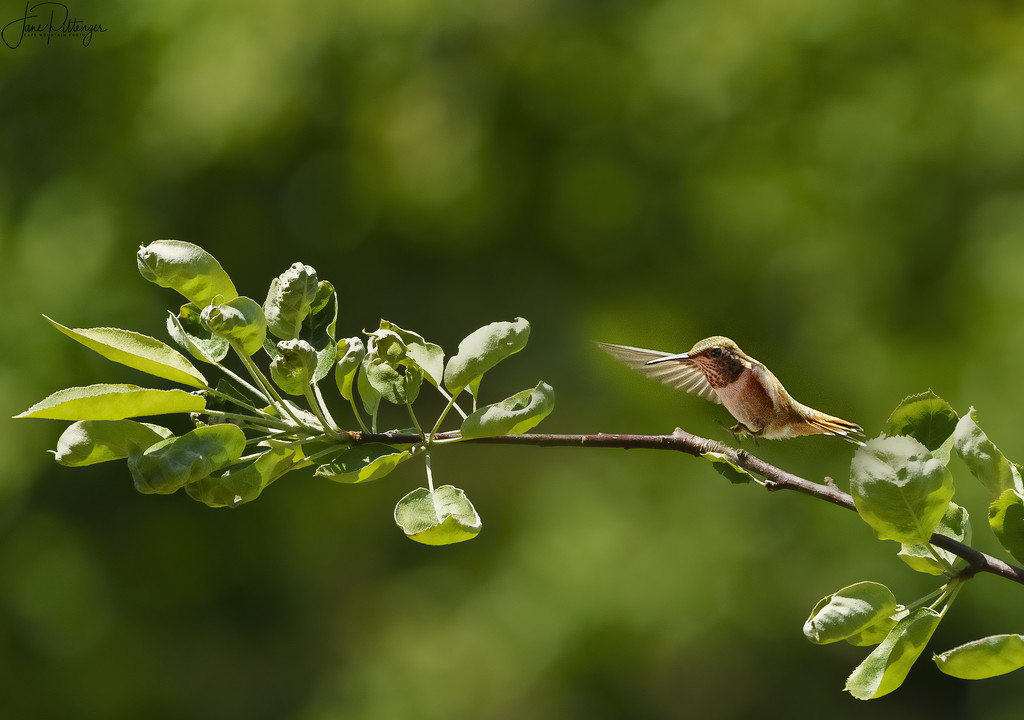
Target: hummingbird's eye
(716, 352)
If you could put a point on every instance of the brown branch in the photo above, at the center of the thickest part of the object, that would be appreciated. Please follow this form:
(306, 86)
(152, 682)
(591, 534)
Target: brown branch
(682, 441)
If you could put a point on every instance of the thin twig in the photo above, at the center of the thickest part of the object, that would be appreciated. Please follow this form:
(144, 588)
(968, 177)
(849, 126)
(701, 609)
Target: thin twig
(682, 441)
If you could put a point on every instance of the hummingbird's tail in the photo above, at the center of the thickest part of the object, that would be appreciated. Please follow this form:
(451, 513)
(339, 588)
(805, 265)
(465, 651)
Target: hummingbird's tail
(824, 424)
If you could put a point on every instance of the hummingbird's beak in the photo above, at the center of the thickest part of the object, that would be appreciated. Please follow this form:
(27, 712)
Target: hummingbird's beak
(669, 358)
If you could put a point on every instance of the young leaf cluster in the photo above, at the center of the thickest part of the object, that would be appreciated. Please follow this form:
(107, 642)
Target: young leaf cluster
(903, 488)
(250, 431)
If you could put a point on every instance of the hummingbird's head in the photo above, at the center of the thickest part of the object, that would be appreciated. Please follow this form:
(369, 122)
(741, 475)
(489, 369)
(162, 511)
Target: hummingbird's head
(719, 358)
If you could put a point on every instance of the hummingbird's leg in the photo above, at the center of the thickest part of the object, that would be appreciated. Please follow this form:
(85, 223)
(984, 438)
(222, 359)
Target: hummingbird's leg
(740, 431)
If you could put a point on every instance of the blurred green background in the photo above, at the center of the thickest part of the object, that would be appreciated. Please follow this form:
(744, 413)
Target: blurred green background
(838, 186)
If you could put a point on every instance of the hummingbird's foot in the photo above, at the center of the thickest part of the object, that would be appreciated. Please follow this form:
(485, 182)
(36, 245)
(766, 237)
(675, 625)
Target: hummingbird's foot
(740, 431)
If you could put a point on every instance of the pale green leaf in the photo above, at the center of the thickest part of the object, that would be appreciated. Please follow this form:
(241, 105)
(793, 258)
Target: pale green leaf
(177, 461)
(726, 467)
(187, 330)
(187, 268)
(875, 633)
(351, 352)
(1006, 518)
(88, 442)
(928, 419)
(983, 458)
(244, 482)
(849, 611)
(289, 299)
(442, 517)
(888, 664)
(483, 349)
(363, 463)
(137, 351)
(955, 524)
(239, 320)
(113, 402)
(984, 658)
(512, 416)
(397, 385)
(427, 356)
(900, 489)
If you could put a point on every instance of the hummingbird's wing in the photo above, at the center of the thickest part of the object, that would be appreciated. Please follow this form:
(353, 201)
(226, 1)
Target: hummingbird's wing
(682, 374)
(766, 378)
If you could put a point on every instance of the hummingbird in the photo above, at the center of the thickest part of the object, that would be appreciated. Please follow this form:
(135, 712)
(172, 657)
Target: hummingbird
(717, 370)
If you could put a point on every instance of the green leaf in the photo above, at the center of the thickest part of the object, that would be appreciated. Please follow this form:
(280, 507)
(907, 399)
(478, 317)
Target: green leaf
(187, 268)
(426, 356)
(849, 611)
(244, 483)
(318, 329)
(983, 458)
(88, 442)
(887, 666)
(289, 300)
(240, 320)
(511, 416)
(363, 463)
(728, 468)
(900, 489)
(928, 419)
(292, 370)
(876, 633)
(442, 517)
(396, 385)
(177, 461)
(137, 351)
(1006, 518)
(113, 402)
(483, 349)
(351, 351)
(984, 658)
(187, 330)
(367, 393)
(955, 524)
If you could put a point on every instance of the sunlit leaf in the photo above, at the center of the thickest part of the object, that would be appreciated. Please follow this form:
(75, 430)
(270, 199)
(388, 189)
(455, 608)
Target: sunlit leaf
(239, 320)
(187, 330)
(137, 351)
(877, 632)
(928, 419)
(367, 393)
(888, 664)
(243, 483)
(289, 300)
(351, 351)
(363, 463)
(483, 349)
(88, 442)
(726, 467)
(984, 658)
(849, 611)
(113, 402)
(427, 356)
(396, 385)
(1006, 518)
(512, 416)
(983, 458)
(442, 517)
(318, 329)
(900, 489)
(187, 268)
(954, 524)
(177, 461)
(292, 370)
